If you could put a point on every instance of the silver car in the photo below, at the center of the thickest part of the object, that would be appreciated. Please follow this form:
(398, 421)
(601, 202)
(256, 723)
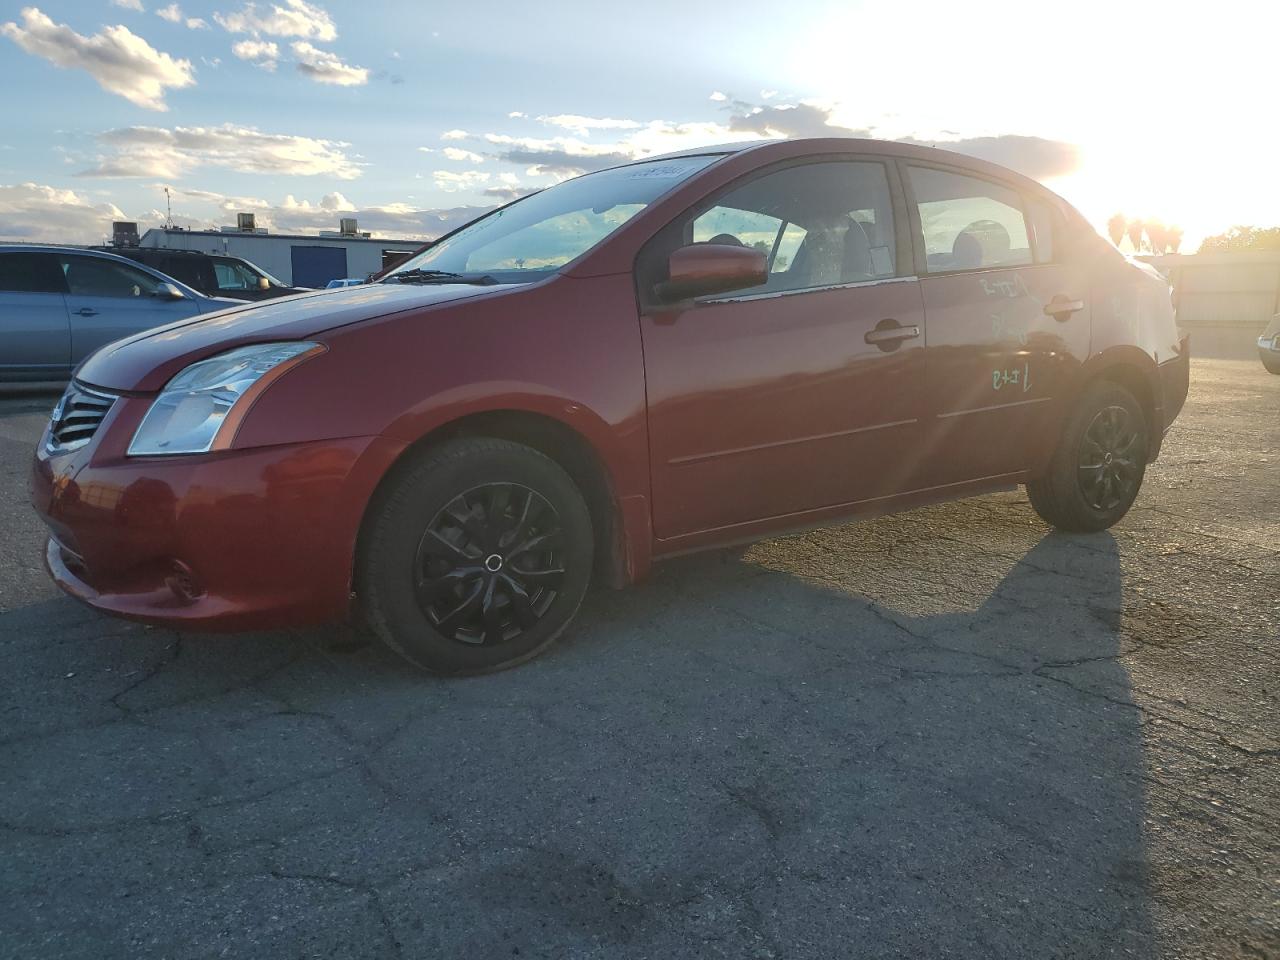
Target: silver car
(59, 304)
(1269, 345)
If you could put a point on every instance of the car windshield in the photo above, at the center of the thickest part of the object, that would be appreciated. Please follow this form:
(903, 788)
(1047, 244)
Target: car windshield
(534, 237)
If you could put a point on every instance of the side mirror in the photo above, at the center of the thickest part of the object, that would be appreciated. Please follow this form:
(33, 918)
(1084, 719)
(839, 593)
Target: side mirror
(167, 291)
(705, 268)
(264, 283)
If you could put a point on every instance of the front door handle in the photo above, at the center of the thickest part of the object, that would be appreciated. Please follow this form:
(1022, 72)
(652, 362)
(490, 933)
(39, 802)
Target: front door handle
(86, 312)
(888, 334)
(1060, 308)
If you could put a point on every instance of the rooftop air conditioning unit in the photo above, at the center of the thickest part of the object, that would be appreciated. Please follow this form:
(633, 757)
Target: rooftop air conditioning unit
(124, 233)
(347, 227)
(245, 222)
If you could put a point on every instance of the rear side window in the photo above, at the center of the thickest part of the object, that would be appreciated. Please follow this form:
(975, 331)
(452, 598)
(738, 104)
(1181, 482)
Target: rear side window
(969, 223)
(186, 269)
(31, 273)
(1044, 227)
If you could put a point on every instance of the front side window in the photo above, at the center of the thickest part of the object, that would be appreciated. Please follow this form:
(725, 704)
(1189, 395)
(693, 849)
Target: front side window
(534, 237)
(968, 223)
(31, 273)
(819, 224)
(234, 276)
(97, 277)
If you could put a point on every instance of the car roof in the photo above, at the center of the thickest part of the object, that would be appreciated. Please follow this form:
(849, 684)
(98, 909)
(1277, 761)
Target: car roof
(779, 148)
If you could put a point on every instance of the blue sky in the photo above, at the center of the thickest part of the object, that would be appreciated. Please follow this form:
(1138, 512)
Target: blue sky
(412, 115)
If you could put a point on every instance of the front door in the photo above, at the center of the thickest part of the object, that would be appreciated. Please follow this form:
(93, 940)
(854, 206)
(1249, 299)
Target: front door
(803, 393)
(35, 335)
(108, 300)
(1007, 324)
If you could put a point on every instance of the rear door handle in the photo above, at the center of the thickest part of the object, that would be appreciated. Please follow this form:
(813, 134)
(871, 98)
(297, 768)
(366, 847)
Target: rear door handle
(885, 334)
(1060, 308)
(86, 312)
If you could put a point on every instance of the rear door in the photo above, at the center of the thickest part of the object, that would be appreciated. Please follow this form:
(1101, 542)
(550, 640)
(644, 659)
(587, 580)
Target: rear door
(35, 333)
(108, 300)
(1008, 321)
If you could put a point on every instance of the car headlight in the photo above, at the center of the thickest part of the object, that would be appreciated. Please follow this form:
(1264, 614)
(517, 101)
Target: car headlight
(200, 409)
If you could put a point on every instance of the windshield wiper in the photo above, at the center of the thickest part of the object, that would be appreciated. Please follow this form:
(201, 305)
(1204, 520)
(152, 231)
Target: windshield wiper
(440, 276)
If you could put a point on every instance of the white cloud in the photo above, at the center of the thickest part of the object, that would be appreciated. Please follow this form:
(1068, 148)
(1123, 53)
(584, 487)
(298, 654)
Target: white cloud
(516, 114)
(717, 96)
(35, 212)
(454, 135)
(261, 53)
(171, 153)
(323, 66)
(426, 149)
(173, 13)
(118, 59)
(296, 18)
(129, 5)
(456, 153)
(451, 182)
(584, 125)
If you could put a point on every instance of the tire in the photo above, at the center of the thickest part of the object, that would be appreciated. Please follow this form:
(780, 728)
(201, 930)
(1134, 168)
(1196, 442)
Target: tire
(1272, 362)
(1097, 470)
(474, 556)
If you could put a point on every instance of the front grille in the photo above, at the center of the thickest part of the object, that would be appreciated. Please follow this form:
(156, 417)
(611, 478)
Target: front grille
(76, 417)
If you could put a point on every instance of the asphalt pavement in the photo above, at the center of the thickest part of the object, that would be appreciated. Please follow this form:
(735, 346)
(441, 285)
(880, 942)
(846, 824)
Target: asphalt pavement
(946, 733)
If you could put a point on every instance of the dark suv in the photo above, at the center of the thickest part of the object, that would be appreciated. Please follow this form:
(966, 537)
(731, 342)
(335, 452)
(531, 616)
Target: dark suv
(215, 274)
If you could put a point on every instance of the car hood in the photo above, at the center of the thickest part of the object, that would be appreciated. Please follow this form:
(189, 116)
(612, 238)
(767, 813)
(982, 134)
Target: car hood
(146, 361)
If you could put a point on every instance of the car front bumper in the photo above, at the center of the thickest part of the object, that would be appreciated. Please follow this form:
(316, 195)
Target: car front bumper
(243, 539)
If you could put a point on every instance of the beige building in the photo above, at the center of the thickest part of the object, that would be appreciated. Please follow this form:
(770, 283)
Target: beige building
(1224, 299)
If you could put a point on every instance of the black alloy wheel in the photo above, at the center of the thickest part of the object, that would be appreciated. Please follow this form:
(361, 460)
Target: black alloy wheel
(488, 566)
(1095, 473)
(475, 555)
(1109, 469)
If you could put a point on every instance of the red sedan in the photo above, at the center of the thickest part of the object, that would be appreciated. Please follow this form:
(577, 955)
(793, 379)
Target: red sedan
(675, 354)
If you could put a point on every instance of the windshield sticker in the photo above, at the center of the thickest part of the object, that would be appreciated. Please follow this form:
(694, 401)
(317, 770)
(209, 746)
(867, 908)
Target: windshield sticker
(658, 172)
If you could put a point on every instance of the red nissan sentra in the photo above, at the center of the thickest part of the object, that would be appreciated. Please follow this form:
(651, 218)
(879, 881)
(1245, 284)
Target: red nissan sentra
(675, 354)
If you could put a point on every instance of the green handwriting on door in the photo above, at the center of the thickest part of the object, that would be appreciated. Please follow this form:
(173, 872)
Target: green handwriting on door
(1012, 377)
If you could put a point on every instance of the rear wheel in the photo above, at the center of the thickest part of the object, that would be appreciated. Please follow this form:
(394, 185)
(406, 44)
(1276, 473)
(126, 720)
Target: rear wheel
(1097, 470)
(1271, 362)
(475, 556)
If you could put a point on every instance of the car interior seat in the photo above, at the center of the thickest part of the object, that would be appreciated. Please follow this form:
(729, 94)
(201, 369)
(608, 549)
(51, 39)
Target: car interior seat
(983, 243)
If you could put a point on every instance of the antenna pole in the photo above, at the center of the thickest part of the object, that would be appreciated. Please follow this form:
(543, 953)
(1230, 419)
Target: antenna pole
(168, 206)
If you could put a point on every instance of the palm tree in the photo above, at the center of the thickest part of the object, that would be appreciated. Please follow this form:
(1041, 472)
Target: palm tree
(1115, 228)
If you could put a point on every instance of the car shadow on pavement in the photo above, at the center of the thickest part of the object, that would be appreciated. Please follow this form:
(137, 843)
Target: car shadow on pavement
(869, 742)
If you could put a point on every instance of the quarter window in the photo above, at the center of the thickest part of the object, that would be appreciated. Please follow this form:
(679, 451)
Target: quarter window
(968, 223)
(820, 224)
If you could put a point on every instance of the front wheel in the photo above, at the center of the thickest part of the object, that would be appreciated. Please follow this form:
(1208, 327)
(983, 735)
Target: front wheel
(1097, 470)
(1271, 361)
(474, 556)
